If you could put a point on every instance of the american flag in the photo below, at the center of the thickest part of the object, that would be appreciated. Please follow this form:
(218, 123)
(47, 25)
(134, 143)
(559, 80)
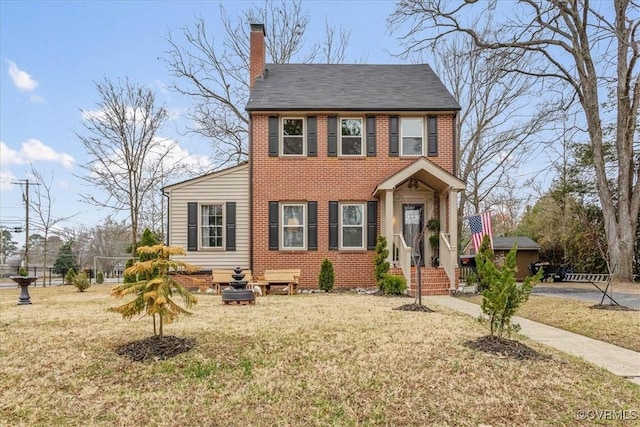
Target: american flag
(480, 225)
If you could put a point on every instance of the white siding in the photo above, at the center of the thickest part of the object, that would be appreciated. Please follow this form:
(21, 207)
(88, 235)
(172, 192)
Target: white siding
(230, 185)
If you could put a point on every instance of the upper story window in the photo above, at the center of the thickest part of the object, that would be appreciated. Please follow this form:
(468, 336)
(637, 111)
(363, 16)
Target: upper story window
(351, 131)
(211, 226)
(293, 137)
(293, 225)
(411, 136)
(352, 226)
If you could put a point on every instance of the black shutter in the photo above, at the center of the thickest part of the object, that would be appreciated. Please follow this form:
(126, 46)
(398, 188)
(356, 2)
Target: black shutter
(231, 226)
(332, 133)
(333, 226)
(372, 224)
(393, 137)
(312, 226)
(371, 136)
(432, 136)
(273, 226)
(192, 226)
(312, 136)
(274, 124)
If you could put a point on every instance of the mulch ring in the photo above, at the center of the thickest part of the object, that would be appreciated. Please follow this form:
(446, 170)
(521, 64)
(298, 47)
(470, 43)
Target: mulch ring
(156, 348)
(503, 347)
(414, 307)
(612, 307)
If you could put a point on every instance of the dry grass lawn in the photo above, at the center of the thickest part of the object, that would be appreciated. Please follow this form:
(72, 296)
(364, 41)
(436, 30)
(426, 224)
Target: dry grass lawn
(621, 328)
(305, 360)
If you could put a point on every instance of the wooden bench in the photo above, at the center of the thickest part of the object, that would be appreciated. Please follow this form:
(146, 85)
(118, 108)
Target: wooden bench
(288, 278)
(224, 277)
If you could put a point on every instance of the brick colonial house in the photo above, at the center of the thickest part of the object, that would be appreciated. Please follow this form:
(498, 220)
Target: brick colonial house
(339, 154)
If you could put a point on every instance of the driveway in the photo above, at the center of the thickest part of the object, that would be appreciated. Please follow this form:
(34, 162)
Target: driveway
(628, 295)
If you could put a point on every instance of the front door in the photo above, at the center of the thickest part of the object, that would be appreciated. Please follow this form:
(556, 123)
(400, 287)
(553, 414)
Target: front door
(412, 229)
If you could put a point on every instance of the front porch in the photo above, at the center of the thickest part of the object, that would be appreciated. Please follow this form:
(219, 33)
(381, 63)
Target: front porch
(434, 280)
(412, 201)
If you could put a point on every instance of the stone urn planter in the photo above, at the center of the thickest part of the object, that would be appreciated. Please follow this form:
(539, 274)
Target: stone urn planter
(24, 282)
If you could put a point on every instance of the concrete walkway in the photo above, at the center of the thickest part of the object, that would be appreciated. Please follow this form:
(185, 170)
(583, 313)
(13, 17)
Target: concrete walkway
(617, 360)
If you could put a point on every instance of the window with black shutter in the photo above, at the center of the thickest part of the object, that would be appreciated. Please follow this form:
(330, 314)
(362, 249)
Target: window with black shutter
(192, 226)
(432, 136)
(332, 136)
(273, 226)
(394, 146)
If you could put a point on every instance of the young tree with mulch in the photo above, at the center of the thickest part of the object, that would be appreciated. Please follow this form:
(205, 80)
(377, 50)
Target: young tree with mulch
(154, 296)
(503, 295)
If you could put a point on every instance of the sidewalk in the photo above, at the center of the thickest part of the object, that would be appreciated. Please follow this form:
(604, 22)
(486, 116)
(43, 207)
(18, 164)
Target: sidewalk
(617, 360)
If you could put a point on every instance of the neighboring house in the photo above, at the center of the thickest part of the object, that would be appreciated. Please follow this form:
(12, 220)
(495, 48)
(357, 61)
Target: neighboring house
(340, 154)
(528, 252)
(203, 216)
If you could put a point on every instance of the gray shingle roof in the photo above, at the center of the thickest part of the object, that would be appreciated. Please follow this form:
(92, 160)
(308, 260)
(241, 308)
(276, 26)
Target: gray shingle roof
(506, 243)
(360, 87)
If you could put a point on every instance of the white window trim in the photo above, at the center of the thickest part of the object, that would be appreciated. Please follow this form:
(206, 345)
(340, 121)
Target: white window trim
(363, 226)
(303, 226)
(304, 136)
(362, 137)
(224, 226)
(402, 136)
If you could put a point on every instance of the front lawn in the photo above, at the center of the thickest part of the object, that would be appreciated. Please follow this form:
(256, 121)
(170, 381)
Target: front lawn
(304, 360)
(616, 327)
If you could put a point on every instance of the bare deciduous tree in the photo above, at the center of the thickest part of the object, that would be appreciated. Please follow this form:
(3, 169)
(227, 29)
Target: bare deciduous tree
(579, 49)
(217, 76)
(495, 135)
(42, 205)
(127, 158)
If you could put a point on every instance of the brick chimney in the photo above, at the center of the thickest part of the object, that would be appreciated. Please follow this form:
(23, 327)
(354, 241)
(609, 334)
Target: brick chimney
(257, 53)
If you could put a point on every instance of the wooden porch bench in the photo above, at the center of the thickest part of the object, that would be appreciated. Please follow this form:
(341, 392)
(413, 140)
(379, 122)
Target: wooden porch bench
(224, 277)
(287, 278)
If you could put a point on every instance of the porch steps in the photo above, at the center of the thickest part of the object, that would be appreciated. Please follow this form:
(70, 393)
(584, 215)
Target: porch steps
(434, 280)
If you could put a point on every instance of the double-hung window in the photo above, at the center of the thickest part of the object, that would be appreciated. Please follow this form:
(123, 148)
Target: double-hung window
(351, 137)
(293, 143)
(352, 226)
(412, 136)
(293, 225)
(211, 226)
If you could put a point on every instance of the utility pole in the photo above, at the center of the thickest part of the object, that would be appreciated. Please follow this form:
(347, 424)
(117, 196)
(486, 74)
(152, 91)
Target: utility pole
(25, 197)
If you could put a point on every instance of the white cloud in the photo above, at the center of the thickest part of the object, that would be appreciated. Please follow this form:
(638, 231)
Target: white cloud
(36, 99)
(93, 114)
(33, 150)
(6, 180)
(21, 79)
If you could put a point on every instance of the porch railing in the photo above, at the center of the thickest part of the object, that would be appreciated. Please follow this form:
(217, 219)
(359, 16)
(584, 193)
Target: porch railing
(448, 259)
(404, 256)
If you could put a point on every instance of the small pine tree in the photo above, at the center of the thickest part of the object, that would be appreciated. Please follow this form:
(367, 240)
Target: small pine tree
(66, 259)
(81, 281)
(129, 278)
(154, 297)
(503, 295)
(484, 255)
(380, 262)
(68, 278)
(327, 277)
(100, 278)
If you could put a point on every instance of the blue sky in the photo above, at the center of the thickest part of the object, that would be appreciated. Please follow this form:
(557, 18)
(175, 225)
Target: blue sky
(53, 52)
